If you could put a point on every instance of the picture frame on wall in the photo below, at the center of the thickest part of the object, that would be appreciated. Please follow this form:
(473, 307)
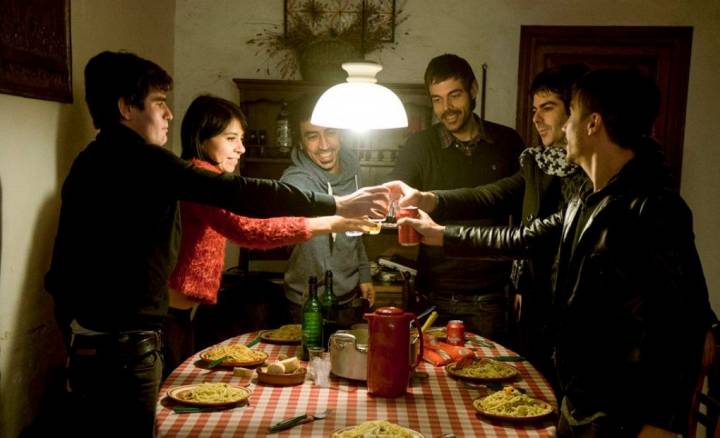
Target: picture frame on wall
(335, 17)
(35, 51)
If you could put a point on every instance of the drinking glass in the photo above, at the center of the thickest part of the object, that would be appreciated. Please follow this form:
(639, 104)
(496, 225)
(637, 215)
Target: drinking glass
(377, 226)
(389, 219)
(320, 366)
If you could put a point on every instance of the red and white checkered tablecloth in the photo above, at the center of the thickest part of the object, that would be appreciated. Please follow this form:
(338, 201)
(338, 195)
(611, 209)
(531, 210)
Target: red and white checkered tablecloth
(433, 406)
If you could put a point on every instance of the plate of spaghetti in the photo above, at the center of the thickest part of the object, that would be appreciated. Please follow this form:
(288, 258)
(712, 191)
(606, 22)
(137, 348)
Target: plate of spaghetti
(209, 394)
(236, 355)
(512, 405)
(287, 334)
(377, 428)
(482, 370)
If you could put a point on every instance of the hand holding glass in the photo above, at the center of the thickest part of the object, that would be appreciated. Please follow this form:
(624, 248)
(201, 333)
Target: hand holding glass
(378, 222)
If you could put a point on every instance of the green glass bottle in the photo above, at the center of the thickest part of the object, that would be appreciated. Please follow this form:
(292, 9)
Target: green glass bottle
(312, 320)
(330, 308)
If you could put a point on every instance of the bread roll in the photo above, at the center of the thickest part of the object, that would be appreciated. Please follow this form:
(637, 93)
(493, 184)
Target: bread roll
(290, 364)
(276, 368)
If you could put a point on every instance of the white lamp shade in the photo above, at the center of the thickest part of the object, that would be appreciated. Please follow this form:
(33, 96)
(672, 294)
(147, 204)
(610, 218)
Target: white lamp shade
(359, 104)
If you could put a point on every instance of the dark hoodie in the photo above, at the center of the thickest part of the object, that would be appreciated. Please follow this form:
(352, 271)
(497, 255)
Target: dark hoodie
(344, 255)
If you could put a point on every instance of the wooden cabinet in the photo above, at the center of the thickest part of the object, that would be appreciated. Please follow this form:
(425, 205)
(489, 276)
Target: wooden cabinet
(261, 101)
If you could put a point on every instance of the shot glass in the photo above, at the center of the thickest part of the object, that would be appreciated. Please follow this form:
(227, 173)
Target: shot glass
(377, 226)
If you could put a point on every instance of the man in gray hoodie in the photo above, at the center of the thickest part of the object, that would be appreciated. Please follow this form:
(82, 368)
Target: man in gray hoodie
(321, 164)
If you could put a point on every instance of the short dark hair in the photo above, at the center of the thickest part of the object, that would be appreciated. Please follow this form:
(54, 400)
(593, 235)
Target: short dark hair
(627, 101)
(558, 80)
(206, 117)
(448, 66)
(110, 76)
(301, 110)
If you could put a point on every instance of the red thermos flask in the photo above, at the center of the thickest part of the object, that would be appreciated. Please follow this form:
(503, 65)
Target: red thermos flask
(389, 362)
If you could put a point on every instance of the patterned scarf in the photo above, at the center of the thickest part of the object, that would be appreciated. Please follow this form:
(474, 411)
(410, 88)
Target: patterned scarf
(551, 160)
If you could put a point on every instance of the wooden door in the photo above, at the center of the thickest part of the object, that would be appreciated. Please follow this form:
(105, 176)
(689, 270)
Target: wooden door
(662, 53)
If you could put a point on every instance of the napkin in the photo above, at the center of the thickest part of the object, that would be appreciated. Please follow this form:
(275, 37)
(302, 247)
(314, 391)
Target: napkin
(441, 353)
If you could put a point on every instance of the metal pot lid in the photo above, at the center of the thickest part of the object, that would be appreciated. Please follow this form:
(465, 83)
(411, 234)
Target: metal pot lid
(359, 338)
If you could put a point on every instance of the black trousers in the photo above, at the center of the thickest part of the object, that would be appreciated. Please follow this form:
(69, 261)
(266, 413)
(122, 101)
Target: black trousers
(178, 339)
(607, 426)
(600, 428)
(114, 382)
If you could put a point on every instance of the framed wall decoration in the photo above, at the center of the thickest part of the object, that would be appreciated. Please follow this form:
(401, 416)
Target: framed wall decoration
(373, 18)
(35, 54)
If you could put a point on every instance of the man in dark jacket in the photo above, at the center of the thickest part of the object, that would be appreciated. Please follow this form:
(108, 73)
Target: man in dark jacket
(543, 185)
(118, 236)
(630, 285)
(460, 151)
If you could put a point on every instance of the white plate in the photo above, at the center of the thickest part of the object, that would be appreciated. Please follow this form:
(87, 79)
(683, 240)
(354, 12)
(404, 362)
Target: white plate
(545, 405)
(415, 434)
(512, 371)
(178, 393)
(205, 355)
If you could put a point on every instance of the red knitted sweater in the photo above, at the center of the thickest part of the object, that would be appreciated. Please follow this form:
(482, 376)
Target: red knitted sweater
(205, 230)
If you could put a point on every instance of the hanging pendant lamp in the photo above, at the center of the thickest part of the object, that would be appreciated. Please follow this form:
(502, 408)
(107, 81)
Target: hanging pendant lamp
(360, 103)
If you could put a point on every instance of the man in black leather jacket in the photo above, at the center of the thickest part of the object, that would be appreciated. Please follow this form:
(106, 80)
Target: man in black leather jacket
(631, 304)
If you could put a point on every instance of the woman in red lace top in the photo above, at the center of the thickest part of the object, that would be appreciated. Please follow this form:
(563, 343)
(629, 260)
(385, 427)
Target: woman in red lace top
(211, 133)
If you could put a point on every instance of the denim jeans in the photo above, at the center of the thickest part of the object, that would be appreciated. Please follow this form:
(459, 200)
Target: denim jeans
(114, 382)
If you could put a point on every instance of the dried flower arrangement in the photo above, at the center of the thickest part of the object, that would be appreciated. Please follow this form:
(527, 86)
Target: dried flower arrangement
(367, 25)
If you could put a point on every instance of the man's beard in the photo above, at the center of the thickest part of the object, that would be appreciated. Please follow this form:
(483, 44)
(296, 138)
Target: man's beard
(464, 124)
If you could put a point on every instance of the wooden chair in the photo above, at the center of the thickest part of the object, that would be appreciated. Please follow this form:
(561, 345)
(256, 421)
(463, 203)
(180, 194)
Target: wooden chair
(705, 408)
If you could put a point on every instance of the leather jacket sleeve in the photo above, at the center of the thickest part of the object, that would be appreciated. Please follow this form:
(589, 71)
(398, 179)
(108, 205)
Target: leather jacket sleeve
(498, 198)
(504, 242)
(240, 194)
(673, 289)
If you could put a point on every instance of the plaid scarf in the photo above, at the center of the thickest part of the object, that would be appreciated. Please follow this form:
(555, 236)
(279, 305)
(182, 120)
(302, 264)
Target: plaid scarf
(551, 160)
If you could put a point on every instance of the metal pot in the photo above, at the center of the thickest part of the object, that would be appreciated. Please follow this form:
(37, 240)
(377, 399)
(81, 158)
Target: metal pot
(348, 352)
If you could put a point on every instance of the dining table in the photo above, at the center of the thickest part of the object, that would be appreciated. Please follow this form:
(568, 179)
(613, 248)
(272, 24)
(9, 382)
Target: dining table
(435, 404)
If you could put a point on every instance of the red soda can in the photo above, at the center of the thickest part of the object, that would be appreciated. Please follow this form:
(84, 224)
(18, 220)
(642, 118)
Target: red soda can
(456, 332)
(407, 236)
